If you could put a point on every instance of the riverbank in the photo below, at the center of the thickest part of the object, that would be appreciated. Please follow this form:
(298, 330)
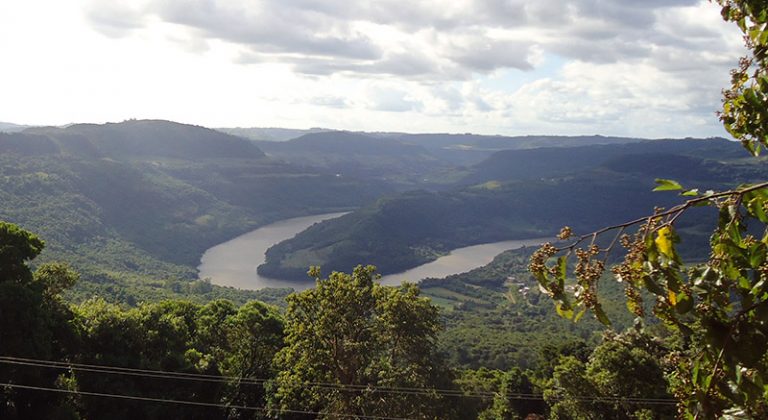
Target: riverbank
(234, 263)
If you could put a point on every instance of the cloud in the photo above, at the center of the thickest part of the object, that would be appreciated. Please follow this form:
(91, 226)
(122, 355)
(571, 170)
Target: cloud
(114, 19)
(484, 55)
(330, 101)
(391, 99)
(270, 29)
(396, 64)
(619, 98)
(620, 62)
(448, 39)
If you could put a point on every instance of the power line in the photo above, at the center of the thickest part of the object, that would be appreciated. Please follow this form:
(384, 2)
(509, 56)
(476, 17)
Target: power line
(211, 378)
(125, 371)
(342, 387)
(193, 403)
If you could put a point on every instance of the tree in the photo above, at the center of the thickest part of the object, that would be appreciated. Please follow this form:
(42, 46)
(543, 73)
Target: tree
(720, 307)
(169, 336)
(512, 401)
(744, 113)
(349, 341)
(254, 336)
(623, 379)
(181, 337)
(34, 323)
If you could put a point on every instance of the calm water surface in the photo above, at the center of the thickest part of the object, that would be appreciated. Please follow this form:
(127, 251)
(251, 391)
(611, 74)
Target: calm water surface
(459, 261)
(233, 263)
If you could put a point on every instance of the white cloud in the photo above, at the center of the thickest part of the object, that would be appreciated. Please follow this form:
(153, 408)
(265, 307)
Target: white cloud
(652, 67)
(453, 39)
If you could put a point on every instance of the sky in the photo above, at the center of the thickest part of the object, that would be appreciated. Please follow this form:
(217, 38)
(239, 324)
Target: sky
(642, 68)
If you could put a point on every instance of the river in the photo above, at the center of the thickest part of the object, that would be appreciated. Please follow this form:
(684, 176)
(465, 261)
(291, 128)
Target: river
(459, 260)
(233, 263)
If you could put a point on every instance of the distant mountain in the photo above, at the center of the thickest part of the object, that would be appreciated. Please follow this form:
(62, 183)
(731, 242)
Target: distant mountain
(11, 128)
(460, 149)
(147, 138)
(495, 143)
(469, 149)
(354, 154)
(536, 163)
(403, 231)
(138, 201)
(270, 134)
(430, 159)
(341, 143)
(135, 203)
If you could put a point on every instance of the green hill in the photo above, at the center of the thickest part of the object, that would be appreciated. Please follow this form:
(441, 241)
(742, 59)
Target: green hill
(135, 204)
(403, 231)
(358, 155)
(147, 138)
(556, 161)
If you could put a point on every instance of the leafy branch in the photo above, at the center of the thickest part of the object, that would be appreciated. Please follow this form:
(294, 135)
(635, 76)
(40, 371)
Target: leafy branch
(720, 307)
(671, 214)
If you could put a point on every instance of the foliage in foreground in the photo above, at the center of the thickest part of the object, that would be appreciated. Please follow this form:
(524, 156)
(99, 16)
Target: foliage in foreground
(719, 307)
(348, 337)
(349, 346)
(37, 330)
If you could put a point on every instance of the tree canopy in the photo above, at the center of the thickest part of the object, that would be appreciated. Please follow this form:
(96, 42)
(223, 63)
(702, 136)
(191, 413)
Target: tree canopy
(719, 306)
(348, 337)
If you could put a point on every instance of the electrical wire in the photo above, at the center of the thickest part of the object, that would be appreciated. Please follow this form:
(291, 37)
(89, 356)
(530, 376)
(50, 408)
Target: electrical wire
(342, 387)
(193, 403)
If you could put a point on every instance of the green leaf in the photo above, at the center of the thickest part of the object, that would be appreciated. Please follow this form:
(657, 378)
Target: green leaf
(667, 185)
(755, 207)
(690, 193)
(757, 255)
(696, 367)
(579, 315)
(674, 278)
(684, 303)
(601, 316)
(564, 310)
(759, 288)
(653, 287)
(562, 269)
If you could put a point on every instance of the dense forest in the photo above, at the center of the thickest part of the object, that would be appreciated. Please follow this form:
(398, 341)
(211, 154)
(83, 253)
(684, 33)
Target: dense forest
(347, 348)
(129, 212)
(651, 303)
(515, 194)
(137, 335)
(133, 205)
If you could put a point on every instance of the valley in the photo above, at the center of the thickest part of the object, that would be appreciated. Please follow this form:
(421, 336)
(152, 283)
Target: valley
(161, 217)
(135, 205)
(388, 210)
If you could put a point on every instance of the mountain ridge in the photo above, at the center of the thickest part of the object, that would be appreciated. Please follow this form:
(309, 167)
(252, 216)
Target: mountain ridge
(412, 228)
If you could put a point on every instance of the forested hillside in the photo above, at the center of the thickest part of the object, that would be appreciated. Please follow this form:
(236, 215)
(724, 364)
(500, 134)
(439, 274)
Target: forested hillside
(270, 133)
(133, 217)
(346, 347)
(431, 256)
(514, 195)
(359, 155)
(133, 205)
